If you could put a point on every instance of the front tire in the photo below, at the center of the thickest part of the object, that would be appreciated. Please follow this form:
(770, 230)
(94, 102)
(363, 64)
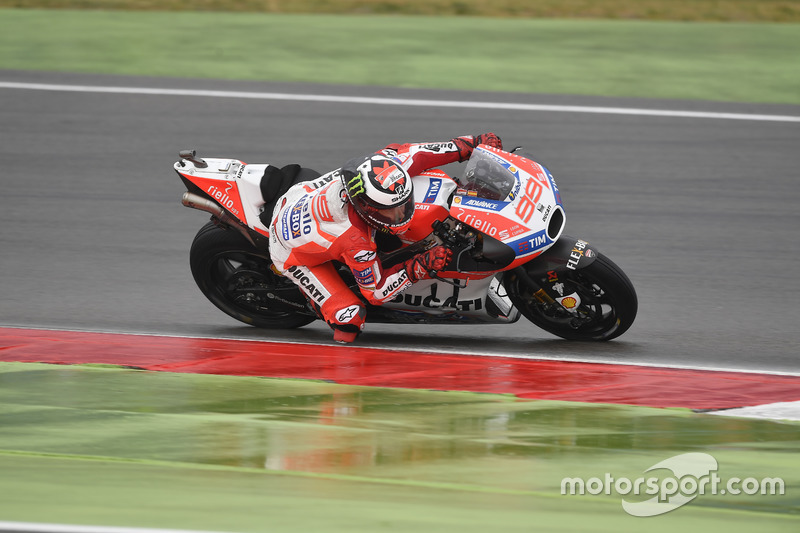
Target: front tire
(607, 308)
(237, 278)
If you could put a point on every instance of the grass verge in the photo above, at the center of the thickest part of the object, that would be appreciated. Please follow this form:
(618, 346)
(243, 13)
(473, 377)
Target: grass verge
(706, 61)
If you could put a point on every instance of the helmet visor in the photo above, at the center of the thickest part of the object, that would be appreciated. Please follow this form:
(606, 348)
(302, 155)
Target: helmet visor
(391, 217)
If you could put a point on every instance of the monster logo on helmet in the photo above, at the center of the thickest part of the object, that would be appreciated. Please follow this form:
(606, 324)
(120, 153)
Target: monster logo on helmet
(355, 186)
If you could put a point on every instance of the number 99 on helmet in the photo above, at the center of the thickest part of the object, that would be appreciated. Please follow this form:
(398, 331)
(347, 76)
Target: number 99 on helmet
(380, 191)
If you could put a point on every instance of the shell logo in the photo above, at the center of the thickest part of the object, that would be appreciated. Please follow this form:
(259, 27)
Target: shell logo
(569, 302)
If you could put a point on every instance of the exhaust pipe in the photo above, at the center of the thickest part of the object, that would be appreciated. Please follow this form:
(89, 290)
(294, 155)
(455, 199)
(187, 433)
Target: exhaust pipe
(195, 201)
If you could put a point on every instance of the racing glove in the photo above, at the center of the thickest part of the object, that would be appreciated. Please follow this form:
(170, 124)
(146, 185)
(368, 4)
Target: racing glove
(468, 143)
(421, 265)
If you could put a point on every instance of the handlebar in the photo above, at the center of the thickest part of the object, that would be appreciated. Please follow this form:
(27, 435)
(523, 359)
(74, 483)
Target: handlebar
(455, 239)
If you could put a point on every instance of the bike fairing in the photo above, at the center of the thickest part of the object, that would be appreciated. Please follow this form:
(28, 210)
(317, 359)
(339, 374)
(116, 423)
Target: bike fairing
(557, 282)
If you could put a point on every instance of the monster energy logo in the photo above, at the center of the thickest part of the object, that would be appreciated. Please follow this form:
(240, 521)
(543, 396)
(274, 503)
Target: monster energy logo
(356, 185)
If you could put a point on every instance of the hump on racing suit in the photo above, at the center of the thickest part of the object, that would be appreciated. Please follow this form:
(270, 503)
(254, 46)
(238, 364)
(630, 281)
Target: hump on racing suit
(276, 181)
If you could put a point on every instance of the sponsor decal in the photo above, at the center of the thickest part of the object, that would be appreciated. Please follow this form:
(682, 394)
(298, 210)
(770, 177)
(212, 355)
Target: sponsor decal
(545, 211)
(322, 180)
(530, 243)
(401, 281)
(479, 224)
(559, 288)
(348, 314)
(433, 302)
(285, 223)
(438, 147)
(435, 184)
(579, 250)
(517, 229)
(355, 186)
(515, 191)
(552, 181)
(397, 283)
(364, 277)
(306, 283)
(364, 256)
(240, 172)
(391, 177)
(569, 302)
(483, 204)
(299, 218)
(224, 197)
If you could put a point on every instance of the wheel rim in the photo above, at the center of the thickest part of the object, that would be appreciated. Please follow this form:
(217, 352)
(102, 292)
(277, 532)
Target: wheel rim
(245, 281)
(594, 317)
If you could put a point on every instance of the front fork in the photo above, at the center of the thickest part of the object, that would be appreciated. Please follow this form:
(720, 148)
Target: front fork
(568, 254)
(537, 291)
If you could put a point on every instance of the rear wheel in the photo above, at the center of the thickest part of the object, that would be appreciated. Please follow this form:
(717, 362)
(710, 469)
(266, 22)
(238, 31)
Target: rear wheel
(595, 303)
(237, 278)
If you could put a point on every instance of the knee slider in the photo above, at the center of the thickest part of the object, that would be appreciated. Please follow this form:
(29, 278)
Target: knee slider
(347, 323)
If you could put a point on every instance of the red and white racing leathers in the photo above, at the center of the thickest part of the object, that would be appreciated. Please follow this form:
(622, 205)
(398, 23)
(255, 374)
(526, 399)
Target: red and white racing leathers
(314, 224)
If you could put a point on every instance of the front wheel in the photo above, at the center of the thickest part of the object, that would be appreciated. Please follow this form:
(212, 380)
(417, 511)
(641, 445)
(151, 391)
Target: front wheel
(594, 303)
(239, 280)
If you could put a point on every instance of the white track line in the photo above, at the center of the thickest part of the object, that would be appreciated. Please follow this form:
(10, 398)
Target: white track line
(770, 411)
(477, 353)
(401, 102)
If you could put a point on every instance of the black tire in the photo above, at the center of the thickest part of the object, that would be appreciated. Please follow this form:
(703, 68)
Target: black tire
(607, 309)
(237, 278)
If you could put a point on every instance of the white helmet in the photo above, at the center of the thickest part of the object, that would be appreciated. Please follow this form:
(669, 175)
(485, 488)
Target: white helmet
(380, 191)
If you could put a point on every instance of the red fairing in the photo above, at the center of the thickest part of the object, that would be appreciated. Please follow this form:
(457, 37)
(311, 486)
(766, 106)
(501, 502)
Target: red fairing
(226, 193)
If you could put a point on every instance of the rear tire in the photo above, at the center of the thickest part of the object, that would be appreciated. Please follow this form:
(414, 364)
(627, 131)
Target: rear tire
(237, 278)
(608, 302)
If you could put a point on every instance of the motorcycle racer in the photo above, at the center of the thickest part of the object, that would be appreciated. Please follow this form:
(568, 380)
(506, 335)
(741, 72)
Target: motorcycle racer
(335, 218)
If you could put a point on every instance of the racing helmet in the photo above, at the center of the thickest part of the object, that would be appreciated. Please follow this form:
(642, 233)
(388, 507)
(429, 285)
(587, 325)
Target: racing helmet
(380, 190)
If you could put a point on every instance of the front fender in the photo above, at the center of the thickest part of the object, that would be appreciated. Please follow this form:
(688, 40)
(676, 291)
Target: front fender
(568, 253)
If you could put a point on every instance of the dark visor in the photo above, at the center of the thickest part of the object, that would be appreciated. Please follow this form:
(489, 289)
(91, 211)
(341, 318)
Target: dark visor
(390, 216)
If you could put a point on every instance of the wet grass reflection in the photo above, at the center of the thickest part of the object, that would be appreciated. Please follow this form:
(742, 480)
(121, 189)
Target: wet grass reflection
(477, 441)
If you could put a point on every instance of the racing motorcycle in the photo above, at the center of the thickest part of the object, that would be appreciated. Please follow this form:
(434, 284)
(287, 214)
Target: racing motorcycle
(503, 219)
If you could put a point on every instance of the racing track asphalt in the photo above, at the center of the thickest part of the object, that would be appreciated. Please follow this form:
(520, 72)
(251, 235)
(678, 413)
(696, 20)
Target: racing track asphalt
(701, 213)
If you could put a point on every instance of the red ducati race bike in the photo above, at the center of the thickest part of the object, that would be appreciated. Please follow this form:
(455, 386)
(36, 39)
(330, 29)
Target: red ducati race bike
(503, 219)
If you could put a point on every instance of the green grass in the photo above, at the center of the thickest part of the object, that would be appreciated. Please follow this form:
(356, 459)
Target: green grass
(118, 447)
(744, 62)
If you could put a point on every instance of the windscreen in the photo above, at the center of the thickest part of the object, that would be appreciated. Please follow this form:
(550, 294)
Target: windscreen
(488, 176)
